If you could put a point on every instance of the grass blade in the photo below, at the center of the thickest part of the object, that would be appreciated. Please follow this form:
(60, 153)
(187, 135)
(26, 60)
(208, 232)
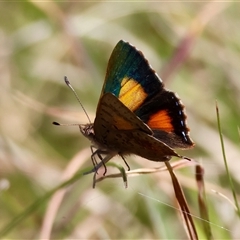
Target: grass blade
(225, 162)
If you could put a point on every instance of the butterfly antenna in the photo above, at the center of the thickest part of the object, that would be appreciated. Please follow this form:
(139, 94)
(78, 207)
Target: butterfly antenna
(65, 124)
(70, 86)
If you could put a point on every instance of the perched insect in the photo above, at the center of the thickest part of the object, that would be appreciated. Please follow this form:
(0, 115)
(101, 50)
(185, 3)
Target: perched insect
(135, 113)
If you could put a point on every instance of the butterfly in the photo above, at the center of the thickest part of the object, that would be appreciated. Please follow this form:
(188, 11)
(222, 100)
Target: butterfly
(135, 113)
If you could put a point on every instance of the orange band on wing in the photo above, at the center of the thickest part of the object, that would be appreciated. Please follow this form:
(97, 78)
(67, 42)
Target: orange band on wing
(161, 120)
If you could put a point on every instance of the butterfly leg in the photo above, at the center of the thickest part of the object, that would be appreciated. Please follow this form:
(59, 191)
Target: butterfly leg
(94, 161)
(102, 163)
(99, 153)
(108, 156)
(128, 167)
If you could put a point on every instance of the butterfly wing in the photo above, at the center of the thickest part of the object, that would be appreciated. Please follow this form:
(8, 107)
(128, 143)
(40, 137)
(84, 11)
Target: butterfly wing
(164, 114)
(132, 80)
(129, 76)
(119, 130)
(112, 113)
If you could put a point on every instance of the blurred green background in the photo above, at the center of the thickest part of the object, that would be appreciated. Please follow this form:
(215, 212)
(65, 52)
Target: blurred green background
(194, 47)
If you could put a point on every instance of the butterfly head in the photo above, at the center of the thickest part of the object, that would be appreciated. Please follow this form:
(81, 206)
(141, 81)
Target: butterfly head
(87, 131)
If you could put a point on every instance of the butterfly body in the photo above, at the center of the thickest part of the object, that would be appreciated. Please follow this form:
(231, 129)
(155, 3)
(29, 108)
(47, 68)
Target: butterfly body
(135, 113)
(124, 136)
